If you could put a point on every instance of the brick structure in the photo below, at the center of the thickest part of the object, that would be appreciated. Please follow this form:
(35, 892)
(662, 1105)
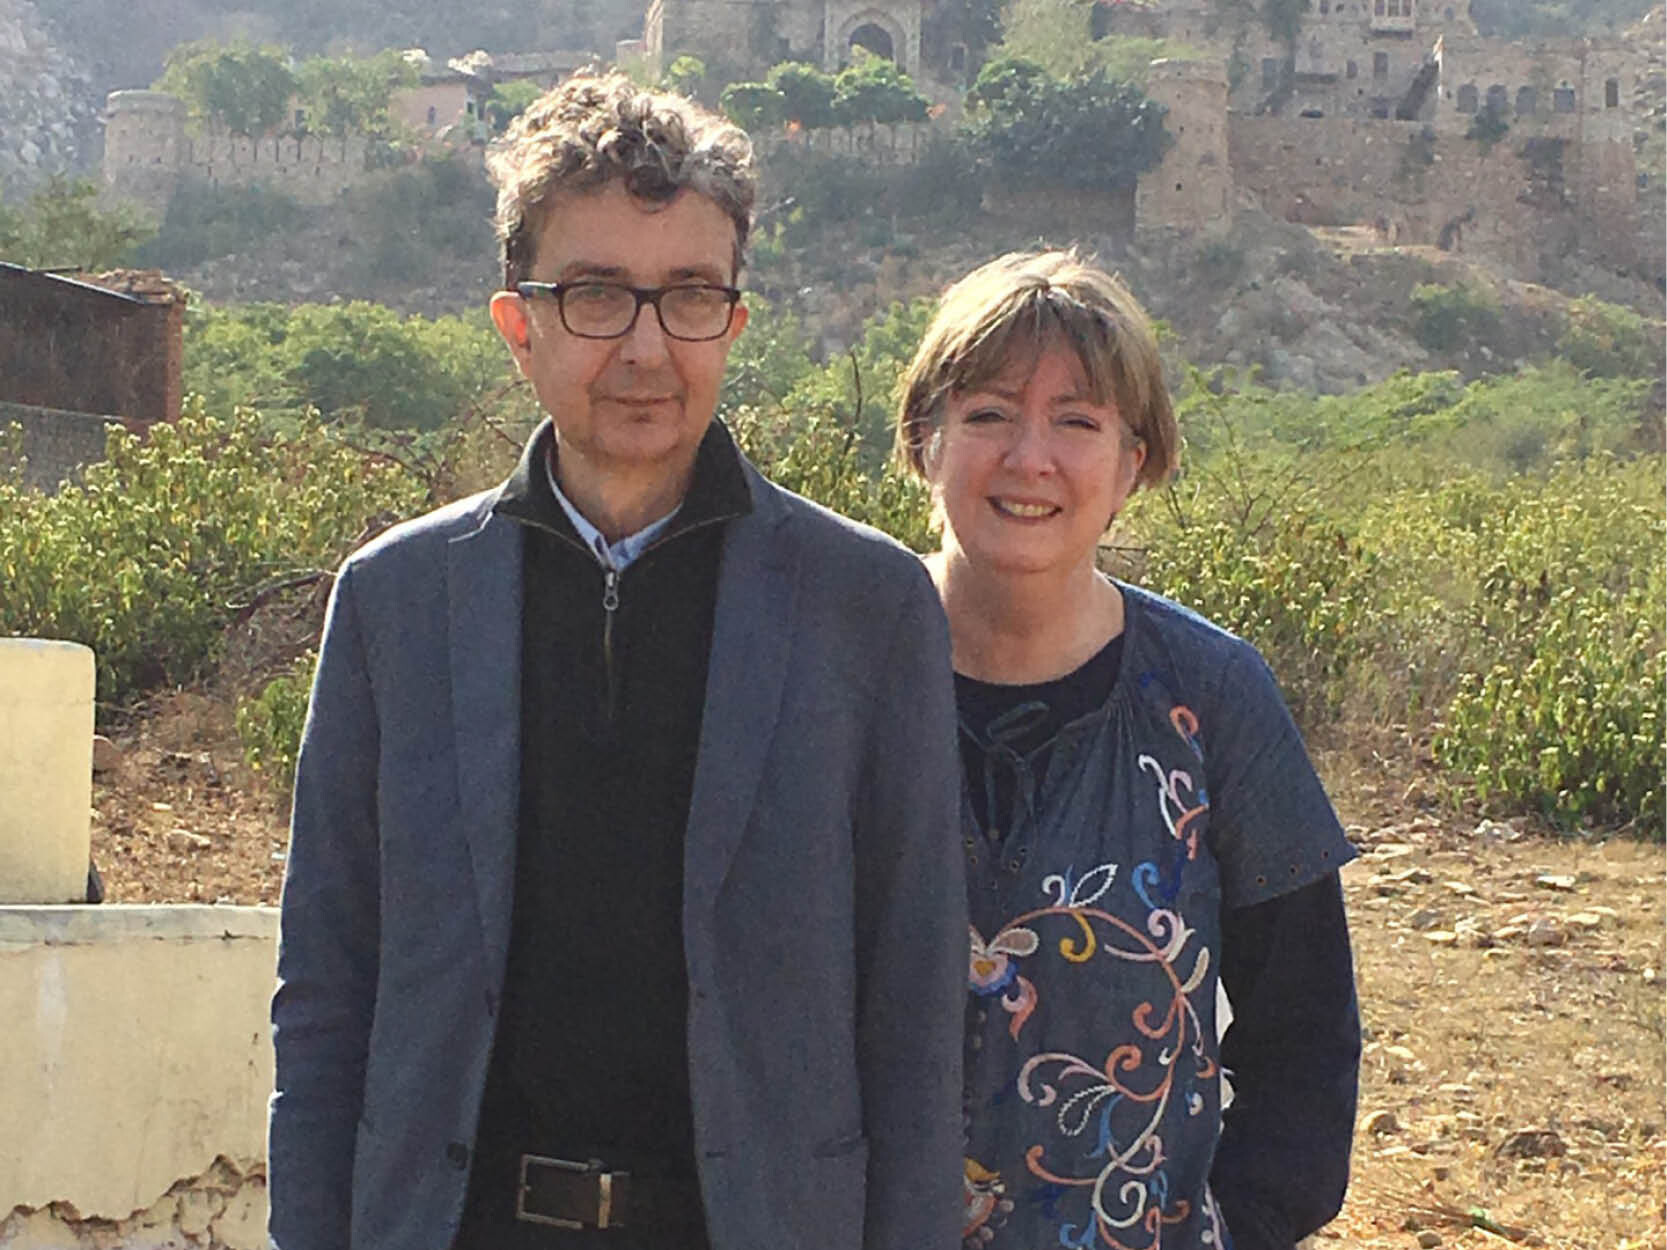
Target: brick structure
(77, 353)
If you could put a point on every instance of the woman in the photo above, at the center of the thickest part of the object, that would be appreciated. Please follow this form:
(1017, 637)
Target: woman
(1141, 817)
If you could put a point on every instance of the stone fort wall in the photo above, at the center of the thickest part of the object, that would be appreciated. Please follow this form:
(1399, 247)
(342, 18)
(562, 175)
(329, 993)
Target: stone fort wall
(1521, 199)
(148, 151)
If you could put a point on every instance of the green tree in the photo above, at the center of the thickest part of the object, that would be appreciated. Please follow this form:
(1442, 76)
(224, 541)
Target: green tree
(355, 362)
(873, 89)
(1087, 133)
(347, 95)
(238, 86)
(686, 75)
(63, 226)
(1056, 36)
(753, 106)
(807, 93)
(509, 100)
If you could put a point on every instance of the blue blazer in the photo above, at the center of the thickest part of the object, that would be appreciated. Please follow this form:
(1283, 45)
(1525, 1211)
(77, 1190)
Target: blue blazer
(824, 907)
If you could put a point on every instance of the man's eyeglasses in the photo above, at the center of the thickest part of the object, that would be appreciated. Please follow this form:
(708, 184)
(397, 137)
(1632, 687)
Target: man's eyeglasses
(608, 310)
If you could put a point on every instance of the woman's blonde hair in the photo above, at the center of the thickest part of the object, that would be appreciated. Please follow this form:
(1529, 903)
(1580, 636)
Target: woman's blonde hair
(1010, 310)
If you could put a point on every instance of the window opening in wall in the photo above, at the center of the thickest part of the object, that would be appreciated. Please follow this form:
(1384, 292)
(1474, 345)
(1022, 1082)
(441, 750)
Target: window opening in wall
(1380, 65)
(1325, 8)
(873, 38)
(1353, 69)
(1562, 100)
(1526, 101)
(958, 57)
(300, 119)
(1448, 12)
(1377, 8)
(1270, 73)
(433, 114)
(1612, 93)
(1467, 98)
(1380, 108)
(1498, 99)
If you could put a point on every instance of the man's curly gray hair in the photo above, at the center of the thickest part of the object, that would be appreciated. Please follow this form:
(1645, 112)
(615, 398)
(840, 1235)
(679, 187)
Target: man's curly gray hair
(594, 128)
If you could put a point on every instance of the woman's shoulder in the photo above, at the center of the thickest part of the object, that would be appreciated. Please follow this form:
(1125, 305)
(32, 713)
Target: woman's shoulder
(1181, 657)
(1161, 625)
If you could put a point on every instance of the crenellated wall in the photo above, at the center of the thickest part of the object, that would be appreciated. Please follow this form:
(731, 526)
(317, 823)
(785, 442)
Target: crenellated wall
(148, 150)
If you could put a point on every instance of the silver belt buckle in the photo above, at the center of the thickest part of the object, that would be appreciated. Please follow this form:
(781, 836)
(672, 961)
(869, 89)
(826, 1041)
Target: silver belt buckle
(604, 1192)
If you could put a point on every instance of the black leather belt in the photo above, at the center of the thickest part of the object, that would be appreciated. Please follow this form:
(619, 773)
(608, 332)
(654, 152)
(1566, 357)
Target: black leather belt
(565, 1193)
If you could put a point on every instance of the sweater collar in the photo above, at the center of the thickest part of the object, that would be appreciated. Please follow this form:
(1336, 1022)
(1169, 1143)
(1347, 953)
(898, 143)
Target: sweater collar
(717, 488)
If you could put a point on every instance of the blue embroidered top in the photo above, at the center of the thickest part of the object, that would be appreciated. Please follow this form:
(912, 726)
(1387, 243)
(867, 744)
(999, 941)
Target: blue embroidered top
(1093, 1093)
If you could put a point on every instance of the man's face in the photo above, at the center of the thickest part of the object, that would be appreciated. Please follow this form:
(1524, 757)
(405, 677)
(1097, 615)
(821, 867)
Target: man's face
(634, 407)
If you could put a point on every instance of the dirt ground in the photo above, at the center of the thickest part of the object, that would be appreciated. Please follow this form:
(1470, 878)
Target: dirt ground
(1512, 987)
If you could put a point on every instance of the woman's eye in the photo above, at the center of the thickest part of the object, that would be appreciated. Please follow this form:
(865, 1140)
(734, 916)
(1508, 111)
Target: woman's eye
(984, 416)
(1080, 423)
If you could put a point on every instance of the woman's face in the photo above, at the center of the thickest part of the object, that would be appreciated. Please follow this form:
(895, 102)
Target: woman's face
(1029, 470)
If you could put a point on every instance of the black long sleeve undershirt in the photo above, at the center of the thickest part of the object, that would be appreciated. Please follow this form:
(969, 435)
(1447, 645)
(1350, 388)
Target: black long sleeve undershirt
(1293, 1058)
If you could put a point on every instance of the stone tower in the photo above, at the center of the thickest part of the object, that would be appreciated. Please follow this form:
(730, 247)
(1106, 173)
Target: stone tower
(145, 148)
(1192, 189)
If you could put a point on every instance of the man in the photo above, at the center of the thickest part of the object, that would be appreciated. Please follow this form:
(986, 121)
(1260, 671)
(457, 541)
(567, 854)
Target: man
(624, 908)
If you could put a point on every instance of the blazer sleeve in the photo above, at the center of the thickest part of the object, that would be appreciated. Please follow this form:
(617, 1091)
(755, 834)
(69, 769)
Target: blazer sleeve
(327, 951)
(911, 939)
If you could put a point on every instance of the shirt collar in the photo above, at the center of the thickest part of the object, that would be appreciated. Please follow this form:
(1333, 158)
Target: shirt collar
(718, 490)
(616, 556)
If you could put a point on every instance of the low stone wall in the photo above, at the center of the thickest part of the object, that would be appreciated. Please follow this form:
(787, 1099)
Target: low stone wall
(138, 1062)
(55, 443)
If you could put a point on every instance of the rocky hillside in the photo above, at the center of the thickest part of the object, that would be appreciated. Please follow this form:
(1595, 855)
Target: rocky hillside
(49, 104)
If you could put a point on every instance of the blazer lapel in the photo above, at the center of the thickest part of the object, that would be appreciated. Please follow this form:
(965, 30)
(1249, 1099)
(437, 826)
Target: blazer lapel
(484, 571)
(751, 641)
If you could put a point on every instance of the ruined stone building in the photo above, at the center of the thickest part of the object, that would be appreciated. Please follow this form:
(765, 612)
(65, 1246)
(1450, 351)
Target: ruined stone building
(79, 353)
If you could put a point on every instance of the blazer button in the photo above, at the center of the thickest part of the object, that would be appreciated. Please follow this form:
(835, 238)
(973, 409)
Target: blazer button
(457, 1154)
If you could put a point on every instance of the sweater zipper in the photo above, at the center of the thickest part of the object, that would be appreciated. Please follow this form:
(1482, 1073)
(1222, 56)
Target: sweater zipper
(610, 592)
(610, 608)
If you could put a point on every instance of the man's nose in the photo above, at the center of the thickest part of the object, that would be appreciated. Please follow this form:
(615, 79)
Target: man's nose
(645, 342)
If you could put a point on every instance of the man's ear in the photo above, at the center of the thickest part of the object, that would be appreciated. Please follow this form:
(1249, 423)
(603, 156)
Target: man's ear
(509, 314)
(738, 322)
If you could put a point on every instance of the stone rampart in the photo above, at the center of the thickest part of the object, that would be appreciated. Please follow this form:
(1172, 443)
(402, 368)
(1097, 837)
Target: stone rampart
(1515, 202)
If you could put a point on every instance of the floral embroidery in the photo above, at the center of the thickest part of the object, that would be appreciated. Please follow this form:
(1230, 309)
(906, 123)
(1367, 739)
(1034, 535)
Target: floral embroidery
(1102, 1170)
(992, 972)
(985, 1204)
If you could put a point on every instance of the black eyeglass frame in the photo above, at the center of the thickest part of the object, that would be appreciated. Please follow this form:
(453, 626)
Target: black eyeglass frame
(557, 291)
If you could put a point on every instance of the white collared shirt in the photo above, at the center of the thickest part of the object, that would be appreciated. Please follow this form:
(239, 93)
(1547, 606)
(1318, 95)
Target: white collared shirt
(616, 556)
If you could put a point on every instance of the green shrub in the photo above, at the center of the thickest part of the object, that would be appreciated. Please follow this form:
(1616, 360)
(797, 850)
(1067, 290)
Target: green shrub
(1576, 730)
(148, 560)
(822, 459)
(1447, 318)
(269, 724)
(1607, 341)
(358, 361)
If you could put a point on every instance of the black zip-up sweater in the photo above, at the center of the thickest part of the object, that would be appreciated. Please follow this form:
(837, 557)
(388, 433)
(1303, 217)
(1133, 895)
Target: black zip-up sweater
(590, 1058)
